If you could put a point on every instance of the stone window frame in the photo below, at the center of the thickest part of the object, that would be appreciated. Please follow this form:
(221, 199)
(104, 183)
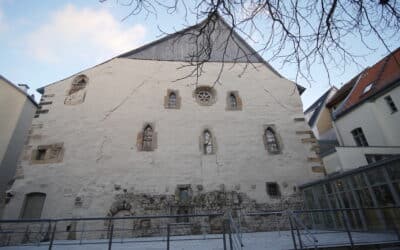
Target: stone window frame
(75, 87)
(202, 142)
(273, 189)
(24, 208)
(178, 190)
(209, 89)
(140, 137)
(239, 102)
(278, 139)
(178, 99)
(53, 153)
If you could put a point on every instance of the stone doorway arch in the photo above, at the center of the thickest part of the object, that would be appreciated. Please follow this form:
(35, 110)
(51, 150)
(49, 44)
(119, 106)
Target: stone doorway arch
(123, 228)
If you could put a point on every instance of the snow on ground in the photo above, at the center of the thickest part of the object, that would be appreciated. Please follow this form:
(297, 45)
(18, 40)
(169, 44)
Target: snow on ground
(252, 241)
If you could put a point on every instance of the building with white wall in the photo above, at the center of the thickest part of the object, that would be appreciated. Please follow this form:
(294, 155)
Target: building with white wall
(127, 137)
(17, 109)
(366, 117)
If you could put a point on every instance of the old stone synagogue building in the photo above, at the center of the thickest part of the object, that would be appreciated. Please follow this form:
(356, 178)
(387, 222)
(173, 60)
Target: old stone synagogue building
(134, 136)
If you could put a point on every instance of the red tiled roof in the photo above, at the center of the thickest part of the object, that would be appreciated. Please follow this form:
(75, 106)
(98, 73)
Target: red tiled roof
(383, 74)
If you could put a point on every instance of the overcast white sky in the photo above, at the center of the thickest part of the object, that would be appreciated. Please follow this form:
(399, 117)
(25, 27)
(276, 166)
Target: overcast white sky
(45, 41)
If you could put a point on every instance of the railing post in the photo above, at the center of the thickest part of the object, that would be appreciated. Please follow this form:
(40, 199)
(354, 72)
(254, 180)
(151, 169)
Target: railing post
(347, 228)
(83, 229)
(230, 235)
(292, 232)
(168, 234)
(53, 233)
(111, 236)
(223, 233)
(299, 235)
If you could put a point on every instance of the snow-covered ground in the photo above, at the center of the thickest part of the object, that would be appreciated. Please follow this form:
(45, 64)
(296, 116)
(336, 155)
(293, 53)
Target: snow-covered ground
(252, 241)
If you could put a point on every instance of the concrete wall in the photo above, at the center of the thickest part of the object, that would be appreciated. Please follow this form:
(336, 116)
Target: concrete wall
(16, 112)
(346, 158)
(99, 138)
(324, 122)
(12, 103)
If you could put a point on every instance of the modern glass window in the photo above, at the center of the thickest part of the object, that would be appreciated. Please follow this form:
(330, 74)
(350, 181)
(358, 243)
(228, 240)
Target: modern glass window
(359, 137)
(391, 104)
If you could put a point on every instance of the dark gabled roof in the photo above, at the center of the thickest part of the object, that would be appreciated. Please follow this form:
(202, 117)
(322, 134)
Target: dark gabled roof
(19, 90)
(181, 50)
(343, 92)
(384, 75)
(317, 106)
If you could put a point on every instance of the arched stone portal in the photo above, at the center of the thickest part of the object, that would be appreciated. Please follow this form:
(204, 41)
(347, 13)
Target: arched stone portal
(123, 228)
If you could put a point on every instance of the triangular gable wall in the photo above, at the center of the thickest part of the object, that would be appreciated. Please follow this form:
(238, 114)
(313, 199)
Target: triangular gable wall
(184, 46)
(181, 45)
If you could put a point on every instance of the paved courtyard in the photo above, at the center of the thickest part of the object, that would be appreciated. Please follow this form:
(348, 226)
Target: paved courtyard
(252, 241)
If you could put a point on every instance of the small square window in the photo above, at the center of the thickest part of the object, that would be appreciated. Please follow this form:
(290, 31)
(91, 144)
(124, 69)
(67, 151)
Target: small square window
(41, 154)
(184, 194)
(273, 189)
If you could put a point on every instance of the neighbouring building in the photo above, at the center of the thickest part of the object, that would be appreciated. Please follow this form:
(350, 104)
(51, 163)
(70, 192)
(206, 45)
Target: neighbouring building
(319, 117)
(17, 109)
(126, 137)
(365, 117)
(364, 169)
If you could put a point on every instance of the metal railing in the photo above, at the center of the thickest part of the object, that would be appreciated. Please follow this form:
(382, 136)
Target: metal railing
(308, 229)
(297, 225)
(235, 236)
(348, 226)
(112, 230)
(319, 228)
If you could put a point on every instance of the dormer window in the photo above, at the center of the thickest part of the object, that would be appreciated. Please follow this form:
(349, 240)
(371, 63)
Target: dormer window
(368, 87)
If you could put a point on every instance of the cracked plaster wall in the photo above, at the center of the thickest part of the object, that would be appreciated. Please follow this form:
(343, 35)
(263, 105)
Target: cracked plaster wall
(99, 138)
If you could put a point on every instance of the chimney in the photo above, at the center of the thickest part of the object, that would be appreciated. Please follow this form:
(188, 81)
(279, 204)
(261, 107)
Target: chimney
(24, 87)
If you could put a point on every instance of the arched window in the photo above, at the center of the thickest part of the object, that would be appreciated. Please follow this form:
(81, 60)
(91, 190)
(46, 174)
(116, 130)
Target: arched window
(33, 206)
(172, 100)
(207, 142)
(232, 101)
(79, 83)
(147, 138)
(77, 93)
(271, 141)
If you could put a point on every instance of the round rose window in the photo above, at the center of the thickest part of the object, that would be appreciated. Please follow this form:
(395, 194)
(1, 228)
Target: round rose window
(204, 95)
